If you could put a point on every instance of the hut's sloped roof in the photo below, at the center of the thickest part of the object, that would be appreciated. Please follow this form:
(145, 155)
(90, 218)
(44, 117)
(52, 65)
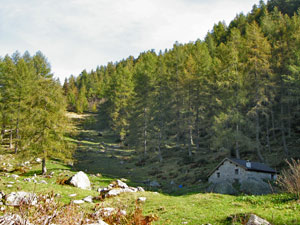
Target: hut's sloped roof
(255, 166)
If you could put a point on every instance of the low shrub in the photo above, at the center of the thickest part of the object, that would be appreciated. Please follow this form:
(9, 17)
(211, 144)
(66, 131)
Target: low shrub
(289, 179)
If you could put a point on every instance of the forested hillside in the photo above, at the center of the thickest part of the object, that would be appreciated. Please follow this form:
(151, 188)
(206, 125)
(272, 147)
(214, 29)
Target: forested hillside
(32, 108)
(236, 92)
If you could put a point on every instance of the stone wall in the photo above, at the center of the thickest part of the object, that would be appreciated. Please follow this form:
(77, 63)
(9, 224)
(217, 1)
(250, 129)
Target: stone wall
(227, 172)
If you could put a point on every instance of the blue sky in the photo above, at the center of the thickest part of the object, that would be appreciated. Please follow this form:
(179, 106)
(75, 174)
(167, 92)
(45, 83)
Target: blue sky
(82, 34)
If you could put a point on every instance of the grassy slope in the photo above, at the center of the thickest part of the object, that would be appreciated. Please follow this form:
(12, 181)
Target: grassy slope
(173, 205)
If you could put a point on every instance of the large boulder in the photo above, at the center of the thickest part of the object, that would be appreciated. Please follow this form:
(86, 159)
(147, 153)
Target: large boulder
(21, 197)
(255, 187)
(255, 220)
(222, 188)
(81, 180)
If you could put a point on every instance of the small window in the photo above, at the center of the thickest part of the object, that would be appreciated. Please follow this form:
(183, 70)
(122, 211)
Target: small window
(218, 175)
(236, 171)
(272, 176)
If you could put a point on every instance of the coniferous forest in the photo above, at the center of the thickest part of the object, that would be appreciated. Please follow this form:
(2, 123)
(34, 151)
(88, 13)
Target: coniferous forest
(33, 108)
(236, 91)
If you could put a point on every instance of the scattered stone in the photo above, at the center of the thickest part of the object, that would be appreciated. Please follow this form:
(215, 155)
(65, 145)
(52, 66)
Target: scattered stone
(16, 198)
(26, 163)
(81, 180)
(11, 182)
(88, 199)
(57, 195)
(140, 189)
(15, 176)
(114, 192)
(43, 182)
(120, 184)
(78, 201)
(38, 160)
(103, 189)
(142, 199)
(13, 219)
(255, 220)
(9, 186)
(122, 162)
(2, 208)
(107, 211)
(72, 195)
(99, 222)
(98, 175)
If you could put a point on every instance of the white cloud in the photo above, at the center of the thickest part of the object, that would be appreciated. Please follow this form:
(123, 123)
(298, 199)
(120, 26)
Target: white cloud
(79, 34)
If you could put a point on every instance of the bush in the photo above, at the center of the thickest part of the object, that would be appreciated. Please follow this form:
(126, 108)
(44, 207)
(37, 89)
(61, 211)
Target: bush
(289, 179)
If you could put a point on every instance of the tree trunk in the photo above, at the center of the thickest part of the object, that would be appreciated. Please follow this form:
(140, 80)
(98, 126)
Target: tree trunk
(285, 148)
(145, 133)
(44, 169)
(237, 151)
(11, 139)
(273, 125)
(289, 120)
(17, 137)
(268, 134)
(257, 139)
(190, 142)
(197, 129)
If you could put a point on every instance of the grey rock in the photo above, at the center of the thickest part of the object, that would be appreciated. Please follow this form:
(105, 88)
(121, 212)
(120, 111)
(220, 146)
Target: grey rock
(107, 211)
(255, 220)
(99, 222)
(154, 183)
(72, 195)
(222, 188)
(88, 199)
(81, 180)
(13, 219)
(9, 186)
(15, 176)
(43, 182)
(27, 179)
(121, 184)
(16, 198)
(78, 201)
(142, 199)
(114, 192)
(100, 190)
(140, 189)
(255, 187)
(38, 160)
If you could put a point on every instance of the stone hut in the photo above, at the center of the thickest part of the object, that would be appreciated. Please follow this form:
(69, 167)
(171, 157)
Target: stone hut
(238, 170)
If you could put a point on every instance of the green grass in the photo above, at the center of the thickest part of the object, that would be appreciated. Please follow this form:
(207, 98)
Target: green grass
(213, 208)
(60, 171)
